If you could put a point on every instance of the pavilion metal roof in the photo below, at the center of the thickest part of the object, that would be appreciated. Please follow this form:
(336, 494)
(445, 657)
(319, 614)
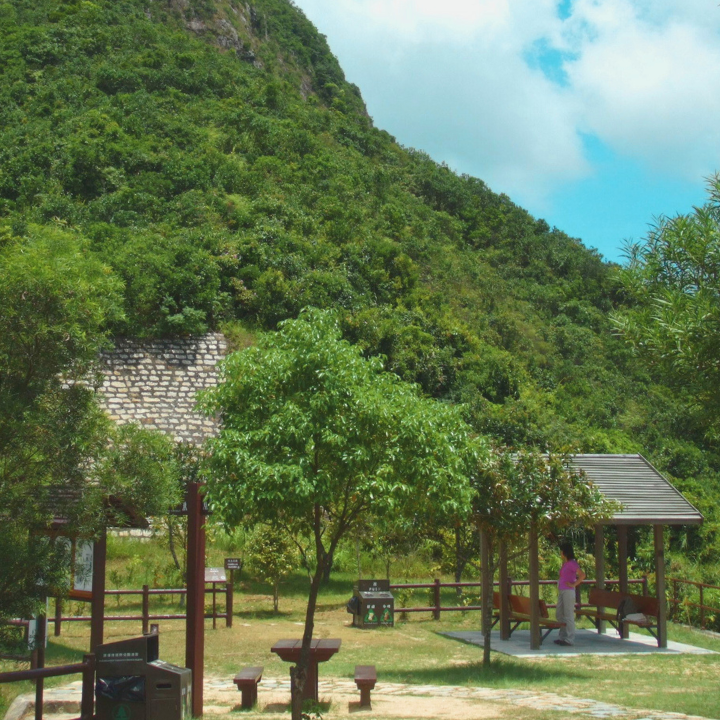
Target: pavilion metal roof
(645, 494)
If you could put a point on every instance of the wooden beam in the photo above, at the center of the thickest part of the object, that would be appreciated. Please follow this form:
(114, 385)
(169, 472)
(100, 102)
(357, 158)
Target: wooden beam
(534, 588)
(97, 604)
(622, 533)
(600, 567)
(504, 591)
(195, 622)
(659, 537)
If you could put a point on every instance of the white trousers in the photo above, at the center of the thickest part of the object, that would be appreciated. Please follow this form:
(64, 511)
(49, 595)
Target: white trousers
(565, 612)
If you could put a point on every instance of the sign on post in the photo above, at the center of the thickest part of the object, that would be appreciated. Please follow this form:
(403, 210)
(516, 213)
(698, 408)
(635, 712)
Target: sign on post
(215, 575)
(232, 563)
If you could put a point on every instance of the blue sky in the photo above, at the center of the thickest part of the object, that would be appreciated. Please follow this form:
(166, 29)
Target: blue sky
(597, 115)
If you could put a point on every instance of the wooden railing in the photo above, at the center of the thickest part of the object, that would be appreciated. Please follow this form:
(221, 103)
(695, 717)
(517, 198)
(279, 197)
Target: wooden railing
(436, 608)
(676, 601)
(145, 617)
(86, 667)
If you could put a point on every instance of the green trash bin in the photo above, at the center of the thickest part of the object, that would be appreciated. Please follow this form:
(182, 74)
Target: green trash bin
(375, 606)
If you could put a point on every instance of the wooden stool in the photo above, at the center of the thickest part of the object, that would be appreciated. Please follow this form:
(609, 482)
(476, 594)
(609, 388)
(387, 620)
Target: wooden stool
(365, 679)
(247, 681)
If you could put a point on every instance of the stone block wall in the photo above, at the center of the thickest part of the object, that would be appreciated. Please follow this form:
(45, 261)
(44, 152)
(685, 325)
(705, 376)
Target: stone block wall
(155, 383)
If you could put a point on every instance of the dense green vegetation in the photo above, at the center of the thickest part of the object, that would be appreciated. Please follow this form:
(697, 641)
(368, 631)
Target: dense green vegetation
(213, 157)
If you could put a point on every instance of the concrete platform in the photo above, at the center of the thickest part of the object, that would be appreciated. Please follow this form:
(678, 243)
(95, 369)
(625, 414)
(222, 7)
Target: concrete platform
(587, 642)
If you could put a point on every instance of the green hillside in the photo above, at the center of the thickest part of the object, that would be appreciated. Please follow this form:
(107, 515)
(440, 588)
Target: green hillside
(214, 156)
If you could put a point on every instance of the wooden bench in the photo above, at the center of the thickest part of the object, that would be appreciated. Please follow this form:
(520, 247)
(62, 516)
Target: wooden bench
(365, 679)
(609, 599)
(520, 608)
(247, 681)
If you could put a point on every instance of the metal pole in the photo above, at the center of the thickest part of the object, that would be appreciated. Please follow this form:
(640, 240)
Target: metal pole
(436, 613)
(195, 622)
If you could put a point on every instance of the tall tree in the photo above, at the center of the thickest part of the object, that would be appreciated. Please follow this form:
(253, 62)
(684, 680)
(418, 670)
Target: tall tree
(673, 277)
(315, 436)
(59, 454)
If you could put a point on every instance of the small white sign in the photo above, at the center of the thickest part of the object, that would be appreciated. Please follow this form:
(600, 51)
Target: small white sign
(82, 579)
(215, 575)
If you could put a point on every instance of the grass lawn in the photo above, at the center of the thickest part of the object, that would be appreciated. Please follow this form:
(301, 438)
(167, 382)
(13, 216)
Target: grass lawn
(414, 652)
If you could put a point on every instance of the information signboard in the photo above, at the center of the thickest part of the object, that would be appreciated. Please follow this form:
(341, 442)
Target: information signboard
(215, 575)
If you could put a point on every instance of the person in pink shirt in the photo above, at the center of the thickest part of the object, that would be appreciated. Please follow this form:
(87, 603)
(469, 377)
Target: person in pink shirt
(570, 577)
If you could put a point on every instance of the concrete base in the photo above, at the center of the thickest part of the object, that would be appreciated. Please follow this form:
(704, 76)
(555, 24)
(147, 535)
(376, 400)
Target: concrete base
(587, 642)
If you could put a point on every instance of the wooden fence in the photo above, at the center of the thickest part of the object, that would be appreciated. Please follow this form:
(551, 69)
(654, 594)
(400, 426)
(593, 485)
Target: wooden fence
(436, 608)
(145, 617)
(677, 602)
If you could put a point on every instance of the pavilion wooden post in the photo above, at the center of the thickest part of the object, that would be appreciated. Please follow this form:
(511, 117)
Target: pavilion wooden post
(195, 617)
(660, 584)
(600, 567)
(97, 621)
(486, 586)
(504, 589)
(534, 589)
(622, 533)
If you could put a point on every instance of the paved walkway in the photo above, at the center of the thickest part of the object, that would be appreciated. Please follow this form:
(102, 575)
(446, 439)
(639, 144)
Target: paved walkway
(221, 695)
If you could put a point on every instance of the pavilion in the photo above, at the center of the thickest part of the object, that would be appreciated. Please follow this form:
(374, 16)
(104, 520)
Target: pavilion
(645, 498)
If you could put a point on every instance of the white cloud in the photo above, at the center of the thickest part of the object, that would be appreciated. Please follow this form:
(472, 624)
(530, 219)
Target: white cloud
(453, 78)
(648, 89)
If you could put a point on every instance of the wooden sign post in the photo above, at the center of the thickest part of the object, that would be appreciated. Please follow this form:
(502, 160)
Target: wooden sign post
(195, 622)
(231, 564)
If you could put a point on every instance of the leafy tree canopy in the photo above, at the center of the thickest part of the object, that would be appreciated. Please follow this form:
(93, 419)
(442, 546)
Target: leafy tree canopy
(673, 278)
(316, 437)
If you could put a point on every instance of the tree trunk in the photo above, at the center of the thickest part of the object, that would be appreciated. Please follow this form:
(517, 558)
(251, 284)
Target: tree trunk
(298, 673)
(327, 568)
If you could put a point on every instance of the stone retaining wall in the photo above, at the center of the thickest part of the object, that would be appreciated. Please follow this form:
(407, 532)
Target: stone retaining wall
(155, 383)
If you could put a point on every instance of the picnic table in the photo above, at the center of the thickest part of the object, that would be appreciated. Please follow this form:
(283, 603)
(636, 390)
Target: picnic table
(320, 651)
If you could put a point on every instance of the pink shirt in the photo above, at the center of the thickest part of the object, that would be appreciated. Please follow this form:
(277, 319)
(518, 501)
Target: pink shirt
(568, 574)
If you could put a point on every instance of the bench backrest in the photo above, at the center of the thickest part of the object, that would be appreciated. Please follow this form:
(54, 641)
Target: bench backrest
(522, 605)
(605, 598)
(610, 599)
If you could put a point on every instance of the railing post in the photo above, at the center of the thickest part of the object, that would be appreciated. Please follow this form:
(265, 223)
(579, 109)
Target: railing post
(40, 630)
(58, 616)
(436, 613)
(645, 585)
(87, 704)
(214, 610)
(702, 608)
(145, 609)
(229, 601)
